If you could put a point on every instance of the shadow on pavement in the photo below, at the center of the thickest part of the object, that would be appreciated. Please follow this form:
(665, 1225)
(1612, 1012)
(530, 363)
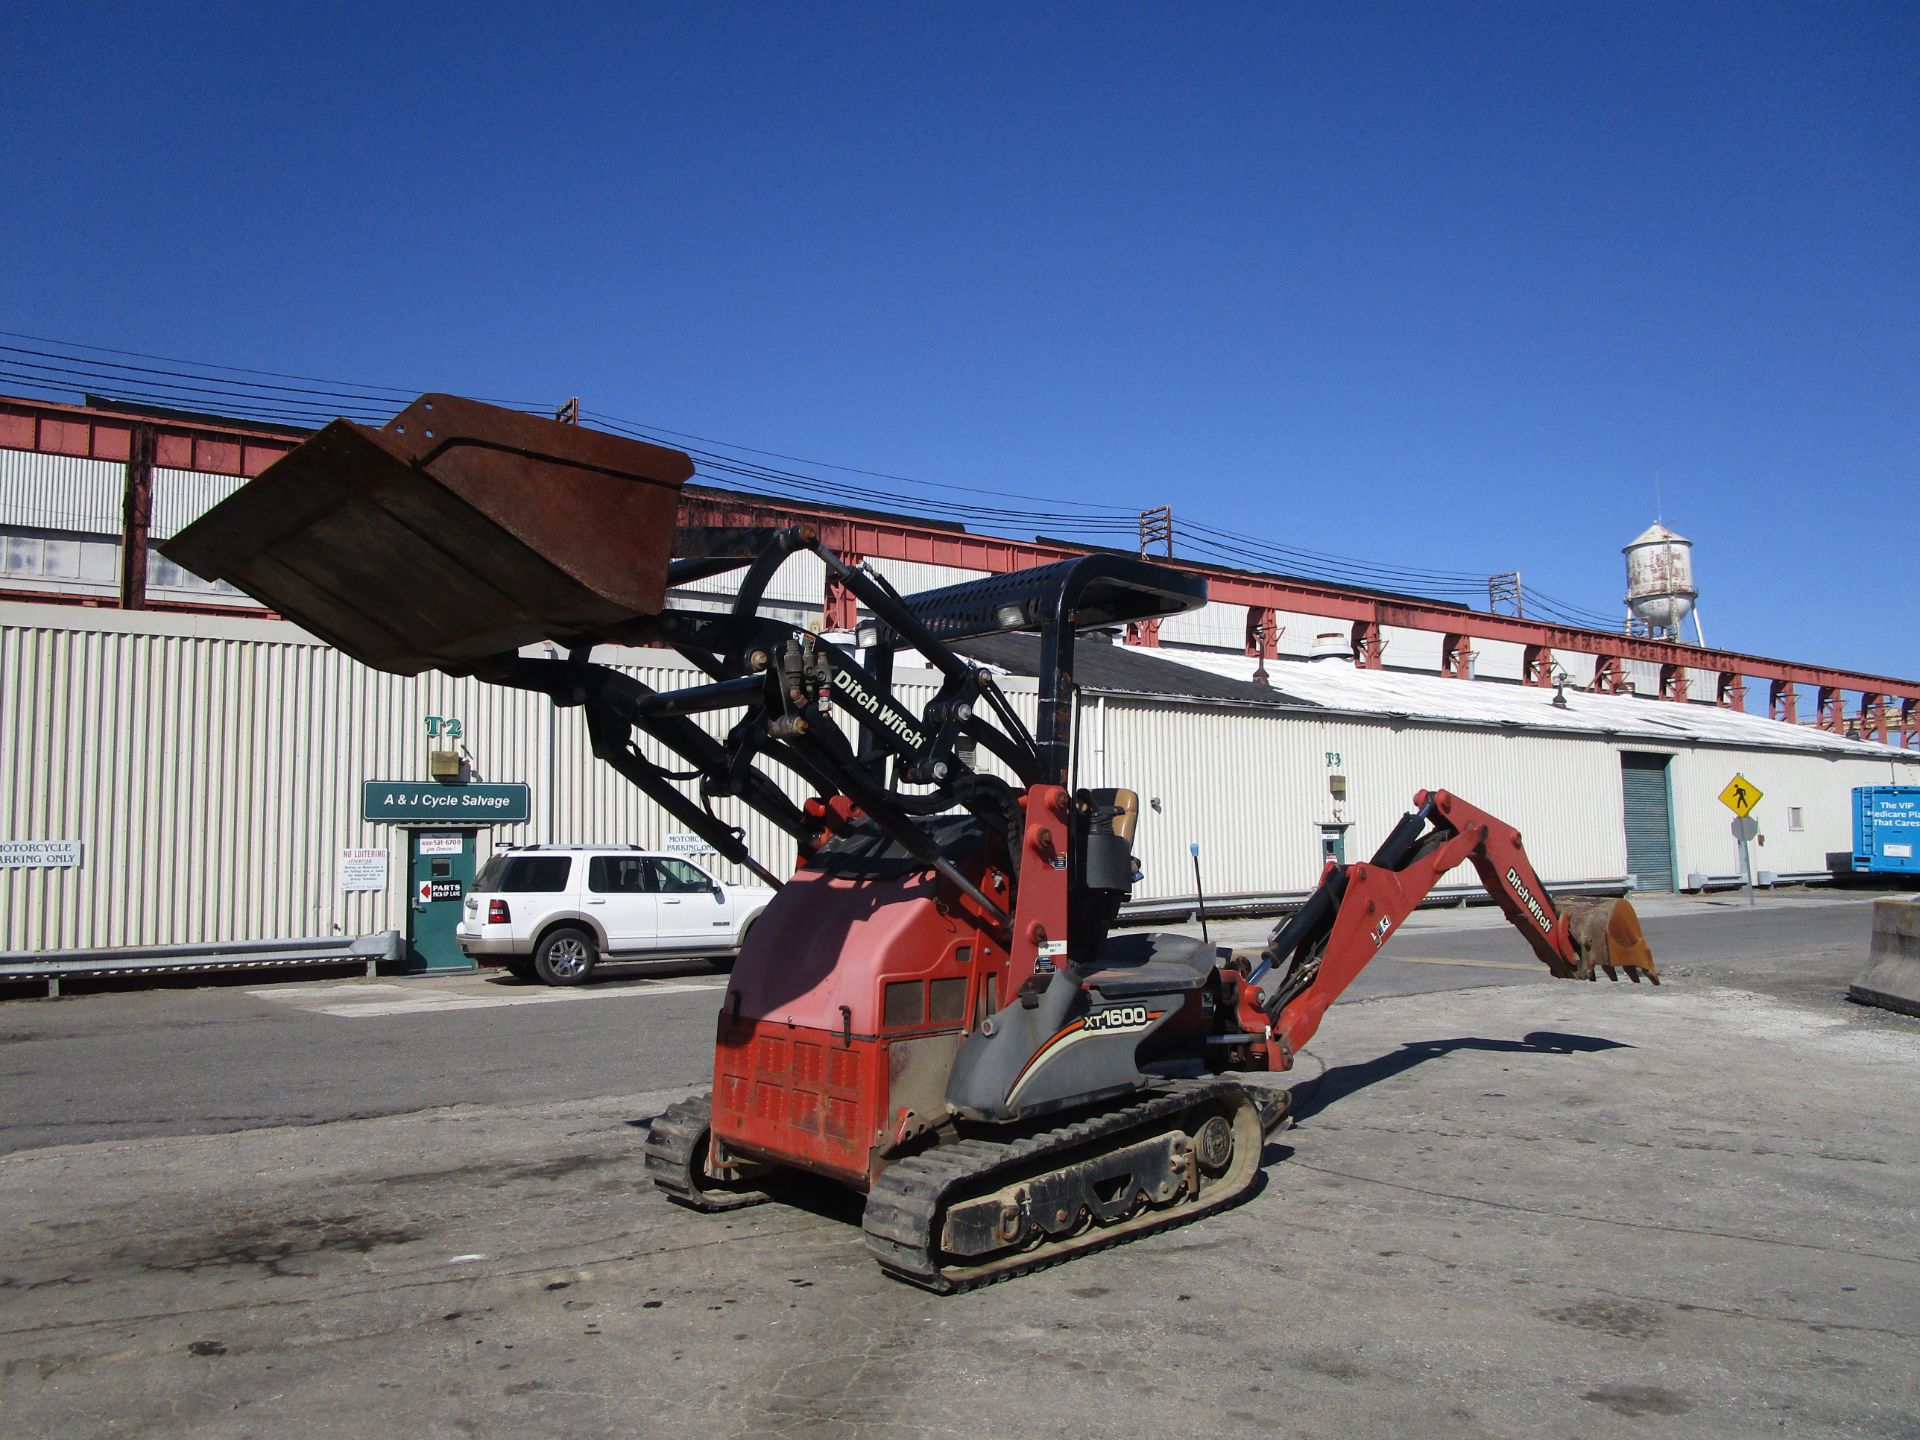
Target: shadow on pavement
(1310, 1098)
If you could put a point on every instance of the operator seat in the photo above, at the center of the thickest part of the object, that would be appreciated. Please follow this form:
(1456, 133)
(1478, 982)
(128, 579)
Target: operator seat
(1156, 963)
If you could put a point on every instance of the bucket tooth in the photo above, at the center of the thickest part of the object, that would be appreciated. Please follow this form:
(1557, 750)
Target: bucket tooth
(457, 532)
(1606, 936)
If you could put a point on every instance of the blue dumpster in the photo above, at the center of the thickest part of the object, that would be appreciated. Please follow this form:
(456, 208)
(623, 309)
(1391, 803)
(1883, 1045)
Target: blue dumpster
(1886, 829)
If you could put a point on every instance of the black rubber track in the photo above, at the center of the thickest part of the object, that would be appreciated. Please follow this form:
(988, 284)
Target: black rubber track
(677, 1154)
(906, 1207)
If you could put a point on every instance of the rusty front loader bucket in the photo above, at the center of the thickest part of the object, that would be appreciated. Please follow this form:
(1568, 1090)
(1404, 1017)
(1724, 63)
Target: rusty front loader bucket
(457, 532)
(1606, 935)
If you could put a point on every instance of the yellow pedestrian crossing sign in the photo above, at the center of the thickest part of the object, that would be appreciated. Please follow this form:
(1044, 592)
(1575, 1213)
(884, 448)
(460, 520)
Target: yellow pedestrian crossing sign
(1740, 796)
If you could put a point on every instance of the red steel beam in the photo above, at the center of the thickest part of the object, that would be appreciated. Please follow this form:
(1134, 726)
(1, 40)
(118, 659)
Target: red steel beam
(50, 429)
(238, 449)
(112, 602)
(885, 538)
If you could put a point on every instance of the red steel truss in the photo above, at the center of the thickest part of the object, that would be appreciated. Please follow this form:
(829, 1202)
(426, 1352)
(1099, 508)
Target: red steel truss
(1888, 710)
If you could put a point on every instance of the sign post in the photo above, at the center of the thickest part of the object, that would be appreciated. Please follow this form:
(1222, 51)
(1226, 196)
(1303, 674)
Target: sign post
(1740, 796)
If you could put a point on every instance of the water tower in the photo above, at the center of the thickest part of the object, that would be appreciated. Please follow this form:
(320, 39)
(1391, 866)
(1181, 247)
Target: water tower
(1660, 582)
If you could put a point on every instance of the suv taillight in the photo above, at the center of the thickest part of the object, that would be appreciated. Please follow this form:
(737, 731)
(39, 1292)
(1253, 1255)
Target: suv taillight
(497, 913)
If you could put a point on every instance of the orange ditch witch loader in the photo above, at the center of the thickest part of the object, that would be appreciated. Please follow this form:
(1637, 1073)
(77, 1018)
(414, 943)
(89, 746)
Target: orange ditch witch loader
(935, 1010)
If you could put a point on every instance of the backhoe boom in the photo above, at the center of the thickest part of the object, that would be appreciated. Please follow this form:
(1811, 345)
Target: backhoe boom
(1317, 953)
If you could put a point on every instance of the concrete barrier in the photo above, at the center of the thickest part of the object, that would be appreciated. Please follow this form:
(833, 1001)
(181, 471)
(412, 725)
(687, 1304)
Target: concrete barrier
(1892, 977)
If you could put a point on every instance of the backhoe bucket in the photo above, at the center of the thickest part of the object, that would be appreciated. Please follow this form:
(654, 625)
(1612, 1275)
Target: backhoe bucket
(1606, 935)
(458, 532)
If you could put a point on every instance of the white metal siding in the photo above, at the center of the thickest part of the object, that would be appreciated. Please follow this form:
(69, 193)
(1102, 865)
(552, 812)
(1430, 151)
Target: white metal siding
(181, 497)
(1579, 667)
(65, 492)
(1217, 626)
(1299, 631)
(1252, 787)
(910, 577)
(1820, 786)
(1499, 660)
(212, 768)
(1703, 686)
(801, 582)
(1413, 649)
(61, 492)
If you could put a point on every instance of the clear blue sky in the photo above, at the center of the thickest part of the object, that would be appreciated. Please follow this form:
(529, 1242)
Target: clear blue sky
(1440, 287)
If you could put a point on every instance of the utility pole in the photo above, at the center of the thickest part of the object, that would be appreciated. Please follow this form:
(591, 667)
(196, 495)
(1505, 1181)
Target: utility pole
(1504, 590)
(1156, 528)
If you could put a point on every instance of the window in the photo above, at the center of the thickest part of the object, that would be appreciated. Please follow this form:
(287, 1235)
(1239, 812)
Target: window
(677, 877)
(533, 874)
(1795, 819)
(163, 574)
(617, 874)
(35, 557)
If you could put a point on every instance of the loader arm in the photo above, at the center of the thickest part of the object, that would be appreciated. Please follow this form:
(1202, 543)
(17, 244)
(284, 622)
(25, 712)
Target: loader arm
(1313, 956)
(933, 1009)
(461, 534)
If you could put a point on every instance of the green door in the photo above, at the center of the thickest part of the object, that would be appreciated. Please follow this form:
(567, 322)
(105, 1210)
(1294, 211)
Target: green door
(440, 866)
(1649, 812)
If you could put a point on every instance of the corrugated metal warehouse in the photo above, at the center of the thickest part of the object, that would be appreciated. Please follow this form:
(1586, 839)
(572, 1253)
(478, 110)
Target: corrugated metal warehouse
(210, 767)
(196, 770)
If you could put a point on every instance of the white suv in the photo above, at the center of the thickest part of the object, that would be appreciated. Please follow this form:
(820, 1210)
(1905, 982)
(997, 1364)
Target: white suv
(552, 912)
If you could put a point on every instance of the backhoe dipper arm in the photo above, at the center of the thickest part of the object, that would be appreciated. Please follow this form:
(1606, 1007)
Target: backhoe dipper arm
(1317, 953)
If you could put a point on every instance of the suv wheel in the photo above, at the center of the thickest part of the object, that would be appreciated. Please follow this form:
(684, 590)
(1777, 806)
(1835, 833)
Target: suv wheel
(565, 956)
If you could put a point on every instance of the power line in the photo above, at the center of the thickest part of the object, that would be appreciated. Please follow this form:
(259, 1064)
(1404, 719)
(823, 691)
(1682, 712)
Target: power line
(405, 395)
(308, 401)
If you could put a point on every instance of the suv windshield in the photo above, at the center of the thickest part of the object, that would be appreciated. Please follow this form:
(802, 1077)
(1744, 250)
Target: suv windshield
(524, 874)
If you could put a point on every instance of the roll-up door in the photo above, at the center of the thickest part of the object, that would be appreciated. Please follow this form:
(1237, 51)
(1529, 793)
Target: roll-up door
(1643, 778)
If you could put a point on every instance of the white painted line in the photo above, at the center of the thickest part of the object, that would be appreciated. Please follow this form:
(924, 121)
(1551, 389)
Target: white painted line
(1481, 964)
(371, 1001)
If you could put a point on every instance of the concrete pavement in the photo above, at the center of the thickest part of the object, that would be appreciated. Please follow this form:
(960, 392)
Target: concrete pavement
(1527, 1210)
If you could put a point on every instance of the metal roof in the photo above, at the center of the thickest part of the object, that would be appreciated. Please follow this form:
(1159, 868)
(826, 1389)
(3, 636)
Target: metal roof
(1335, 684)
